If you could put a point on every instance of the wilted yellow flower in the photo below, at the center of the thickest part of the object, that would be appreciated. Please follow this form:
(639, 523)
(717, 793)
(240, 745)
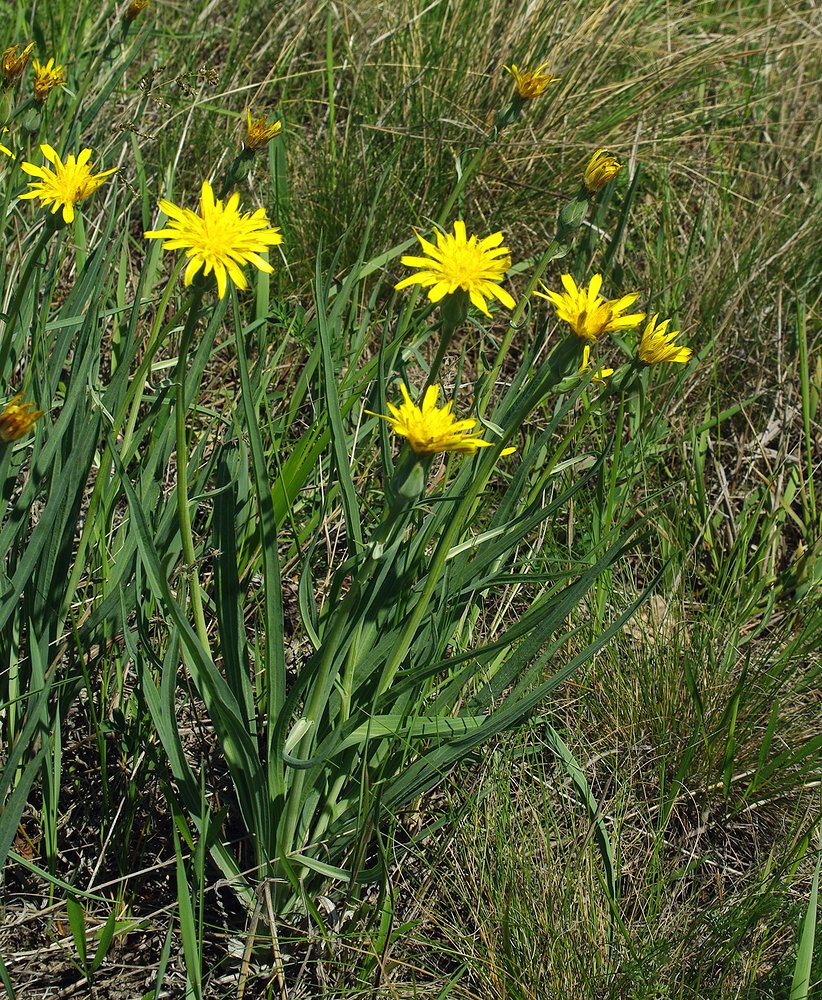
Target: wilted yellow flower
(67, 184)
(259, 132)
(530, 82)
(430, 429)
(600, 374)
(12, 65)
(587, 312)
(17, 419)
(658, 345)
(219, 239)
(135, 7)
(602, 168)
(46, 78)
(459, 262)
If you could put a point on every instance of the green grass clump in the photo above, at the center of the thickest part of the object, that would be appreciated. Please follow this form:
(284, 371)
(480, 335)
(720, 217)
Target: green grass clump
(286, 709)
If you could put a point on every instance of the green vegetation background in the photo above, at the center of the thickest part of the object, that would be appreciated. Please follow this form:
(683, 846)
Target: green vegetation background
(698, 727)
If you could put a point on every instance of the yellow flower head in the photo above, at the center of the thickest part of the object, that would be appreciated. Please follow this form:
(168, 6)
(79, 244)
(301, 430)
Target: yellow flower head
(12, 65)
(602, 168)
(67, 184)
(658, 345)
(459, 262)
(430, 429)
(46, 78)
(530, 82)
(135, 7)
(219, 239)
(17, 419)
(600, 374)
(259, 132)
(587, 312)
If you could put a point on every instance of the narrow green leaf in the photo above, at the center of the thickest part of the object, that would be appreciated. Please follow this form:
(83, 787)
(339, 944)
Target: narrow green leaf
(350, 501)
(77, 923)
(104, 942)
(188, 927)
(801, 982)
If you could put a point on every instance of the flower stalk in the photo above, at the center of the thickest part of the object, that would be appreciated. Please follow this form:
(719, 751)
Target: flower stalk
(183, 511)
(554, 250)
(453, 312)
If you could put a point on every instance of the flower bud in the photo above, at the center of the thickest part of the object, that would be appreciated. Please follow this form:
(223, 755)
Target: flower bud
(603, 167)
(134, 9)
(573, 213)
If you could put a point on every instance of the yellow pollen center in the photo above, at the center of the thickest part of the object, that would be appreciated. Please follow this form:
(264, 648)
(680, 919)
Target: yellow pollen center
(462, 265)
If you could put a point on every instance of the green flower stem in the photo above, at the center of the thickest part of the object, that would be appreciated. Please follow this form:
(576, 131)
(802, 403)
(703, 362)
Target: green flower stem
(236, 171)
(451, 319)
(507, 116)
(571, 218)
(555, 249)
(6, 105)
(473, 166)
(436, 364)
(624, 381)
(183, 513)
(158, 332)
(551, 372)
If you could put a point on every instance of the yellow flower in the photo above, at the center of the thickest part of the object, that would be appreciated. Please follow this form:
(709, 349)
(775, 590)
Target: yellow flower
(17, 419)
(600, 374)
(658, 345)
(46, 78)
(4, 149)
(12, 65)
(219, 239)
(430, 429)
(259, 132)
(602, 168)
(67, 184)
(135, 7)
(530, 82)
(476, 266)
(587, 312)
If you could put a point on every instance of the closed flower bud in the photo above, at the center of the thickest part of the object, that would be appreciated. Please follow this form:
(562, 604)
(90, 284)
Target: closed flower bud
(602, 168)
(134, 8)
(573, 213)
